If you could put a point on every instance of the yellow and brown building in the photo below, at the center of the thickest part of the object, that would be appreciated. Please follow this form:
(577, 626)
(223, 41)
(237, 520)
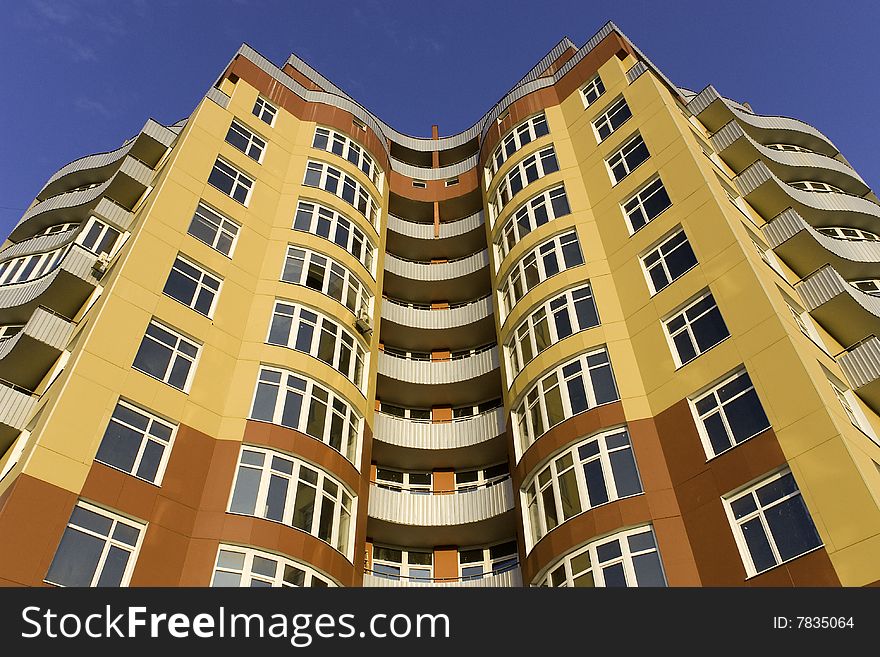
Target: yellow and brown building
(615, 333)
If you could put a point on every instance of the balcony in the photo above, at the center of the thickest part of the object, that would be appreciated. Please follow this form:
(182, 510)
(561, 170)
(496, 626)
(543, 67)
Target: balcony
(426, 383)
(714, 111)
(16, 405)
(125, 187)
(770, 196)
(419, 327)
(471, 517)
(148, 146)
(861, 366)
(805, 249)
(508, 578)
(846, 312)
(62, 290)
(26, 357)
(426, 282)
(420, 445)
(739, 151)
(418, 241)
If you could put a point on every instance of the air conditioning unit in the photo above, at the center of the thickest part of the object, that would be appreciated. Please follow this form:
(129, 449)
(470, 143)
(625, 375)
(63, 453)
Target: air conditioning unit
(101, 265)
(363, 323)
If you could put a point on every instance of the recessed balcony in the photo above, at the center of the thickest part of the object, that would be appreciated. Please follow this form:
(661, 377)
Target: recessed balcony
(476, 516)
(423, 445)
(420, 240)
(421, 327)
(739, 151)
(507, 578)
(426, 282)
(804, 249)
(16, 405)
(425, 383)
(26, 357)
(846, 312)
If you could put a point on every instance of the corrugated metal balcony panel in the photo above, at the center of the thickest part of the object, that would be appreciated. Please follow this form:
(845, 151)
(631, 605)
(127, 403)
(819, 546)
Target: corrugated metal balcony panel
(861, 365)
(39, 244)
(847, 313)
(462, 433)
(439, 372)
(218, 97)
(437, 319)
(66, 201)
(114, 214)
(16, 407)
(420, 271)
(509, 578)
(440, 173)
(425, 231)
(27, 357)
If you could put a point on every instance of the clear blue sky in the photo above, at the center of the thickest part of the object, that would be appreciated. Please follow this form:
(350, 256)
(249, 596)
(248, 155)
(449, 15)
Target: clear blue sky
(80, 76)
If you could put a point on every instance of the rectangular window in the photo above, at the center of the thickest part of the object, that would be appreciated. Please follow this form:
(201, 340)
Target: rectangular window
(452, 181)
(729, 413)
(645, 205)
(98, 237)
(137, 442)
(851, 407)
(591, 92)
(325, 275)
(695, 329)
(231, 182)
(627, 158)
(264, 111)
(478, 563)
(9, 330)
(420, 184)
(249, 568)
(399, 563)
(771, 523)
(98, 548)
(166, 355)
(192, 286)
(610, 120)
(669, 261)
(246, 141)
(213, 229)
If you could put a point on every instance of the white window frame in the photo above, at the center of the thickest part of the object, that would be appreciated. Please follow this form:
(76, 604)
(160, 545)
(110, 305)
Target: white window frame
(348, 149)
(868, 286)
(592, 91)
(102, 238)
(608, 119)
(109, 542)
(409, 481)
(662, 250)
(475, 478)
(620, 157)
(248, 575)
(635, 204)
(255, 146)
(277, 380)
(9, 331)
(355, 294)
(409, 414)
(688, 328)
(300, 316)
(325, 222)
(791, 148)
(148, 436)
(240, 180)
(317, 175)
(341, 538)
(263, 109)
(804, 323)
(58, 228)
(816, 186)
(405, 568)
(204, 283)
(527, 171)
(223, 227)
(523, 133)
(488, 564)
(539, 210)
(851, 407)
(736, 523)
(30, 267)
(839, 233)
(175, 354)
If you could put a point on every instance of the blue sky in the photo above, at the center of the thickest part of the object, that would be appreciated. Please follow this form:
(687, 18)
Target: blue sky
(80, 76)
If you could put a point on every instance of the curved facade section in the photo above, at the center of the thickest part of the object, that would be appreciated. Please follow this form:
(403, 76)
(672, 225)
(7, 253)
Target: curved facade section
(26, 357)
(455, 281)
(509, 578)
(451, 327)
(845, 311)
(39, 244)
(419, 240)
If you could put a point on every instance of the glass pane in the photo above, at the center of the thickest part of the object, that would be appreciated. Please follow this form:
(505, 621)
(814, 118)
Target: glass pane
(76, 559)
(119, 446)
(648, 570)
(223, 579)
(276, 497)
(614, 575)
(626, 477)
(596, 488)
(792, 528)
(759, 546)
(244, 497)
(304, 508)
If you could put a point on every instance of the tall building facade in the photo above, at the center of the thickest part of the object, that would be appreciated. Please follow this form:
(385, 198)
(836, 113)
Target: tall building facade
(616, 333)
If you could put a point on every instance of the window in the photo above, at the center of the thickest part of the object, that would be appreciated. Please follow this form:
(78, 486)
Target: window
(264, 111)
(535, 166)
(869, 286)
(29, 267)
(292, 400)
(137, 442)
(320, 220)
(522, 134)
(816, 186)
(213, 229)
(398, 480)
(412, 414)
(343, 146)
(647, 203)
(545, 260)
(593, 89)
(667, 262)
(537, 211)
(463, 412)
(729, 413)
(572, 311)
(247, 567)
(58, 228)
(598, 470)
(845, 233)
(334, 181)
(789, 147)
(467, 480)
(401, 563)
(695, 329)
(628, 558)
(192, 286)
(166, 355)
(246, 141)
(360, 125)
(477, 563)
(851, 407)
(98, 237)
(627, 158)
(9, 330)
(311, 332)
(275, 486)
(568, 389)
(231, 181)
(803, 322)
(771, 523)
(325, 275)
(98, 548)
(610, 120)
(419, 184)
(452, 181)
